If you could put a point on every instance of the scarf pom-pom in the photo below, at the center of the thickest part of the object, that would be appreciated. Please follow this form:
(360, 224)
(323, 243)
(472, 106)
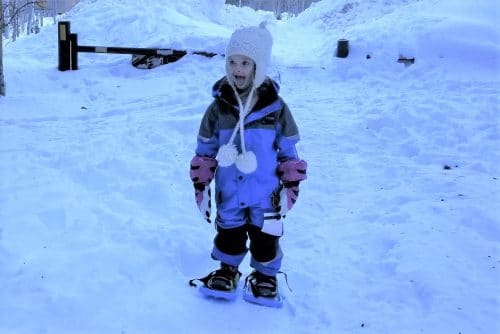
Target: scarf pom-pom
(227, 155)
(246, 162)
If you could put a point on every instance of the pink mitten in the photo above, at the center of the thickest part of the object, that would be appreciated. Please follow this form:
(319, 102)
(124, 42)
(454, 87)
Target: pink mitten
(202, 169)
(291, 172)
(202, 172)
(203, 200)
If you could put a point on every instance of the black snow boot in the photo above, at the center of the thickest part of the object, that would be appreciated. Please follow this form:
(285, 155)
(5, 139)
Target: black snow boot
(262, 285)
(223, 279)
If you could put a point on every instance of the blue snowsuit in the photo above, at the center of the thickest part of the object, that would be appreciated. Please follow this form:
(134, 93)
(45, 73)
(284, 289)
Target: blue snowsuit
(244, 200)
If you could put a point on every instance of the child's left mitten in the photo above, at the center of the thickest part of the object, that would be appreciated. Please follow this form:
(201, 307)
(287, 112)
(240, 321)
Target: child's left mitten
(290, 172)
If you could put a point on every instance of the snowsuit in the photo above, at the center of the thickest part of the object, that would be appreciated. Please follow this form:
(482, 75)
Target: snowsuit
(244, 200)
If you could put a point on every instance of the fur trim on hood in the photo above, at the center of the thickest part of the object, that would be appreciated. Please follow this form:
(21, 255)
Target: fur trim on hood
(266, 94)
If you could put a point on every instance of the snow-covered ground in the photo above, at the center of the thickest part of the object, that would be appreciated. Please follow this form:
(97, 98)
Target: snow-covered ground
(99, 232)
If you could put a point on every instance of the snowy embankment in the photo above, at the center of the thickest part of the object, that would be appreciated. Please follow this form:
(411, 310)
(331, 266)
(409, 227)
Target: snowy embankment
(397, 228)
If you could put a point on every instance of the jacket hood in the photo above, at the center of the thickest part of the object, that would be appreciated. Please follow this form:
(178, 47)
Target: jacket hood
(267, 92)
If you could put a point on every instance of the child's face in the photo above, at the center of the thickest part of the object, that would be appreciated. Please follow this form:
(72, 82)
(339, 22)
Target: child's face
(240, 70)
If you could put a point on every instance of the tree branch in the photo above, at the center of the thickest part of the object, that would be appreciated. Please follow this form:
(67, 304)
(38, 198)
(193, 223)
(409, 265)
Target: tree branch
(3, 25)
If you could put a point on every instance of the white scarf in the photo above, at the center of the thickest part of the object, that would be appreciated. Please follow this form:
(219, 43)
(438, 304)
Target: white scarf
(246, 161)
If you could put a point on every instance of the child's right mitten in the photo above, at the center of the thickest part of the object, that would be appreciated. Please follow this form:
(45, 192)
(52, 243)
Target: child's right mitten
(202, 172)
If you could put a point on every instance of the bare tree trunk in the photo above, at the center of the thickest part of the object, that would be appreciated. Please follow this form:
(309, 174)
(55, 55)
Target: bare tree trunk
(2, 82)
(16, 22)
(11, 6)
(54, 8)
(29, 22)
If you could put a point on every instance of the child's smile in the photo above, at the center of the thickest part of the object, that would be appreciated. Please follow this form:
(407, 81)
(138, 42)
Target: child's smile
(240, 81)
(241, 70)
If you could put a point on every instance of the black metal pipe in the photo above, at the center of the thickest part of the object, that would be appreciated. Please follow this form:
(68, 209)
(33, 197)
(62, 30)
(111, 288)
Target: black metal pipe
(74, 51)
(136, 51)
(141, 51)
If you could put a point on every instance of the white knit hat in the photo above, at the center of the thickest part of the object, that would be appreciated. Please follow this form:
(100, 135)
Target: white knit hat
(255, 43)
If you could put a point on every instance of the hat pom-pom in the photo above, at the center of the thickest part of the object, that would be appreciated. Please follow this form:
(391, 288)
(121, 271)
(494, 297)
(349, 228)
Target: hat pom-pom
(227, 155)
(246, 162)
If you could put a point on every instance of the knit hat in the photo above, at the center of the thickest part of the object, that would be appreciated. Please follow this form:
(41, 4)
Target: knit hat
(255, 43)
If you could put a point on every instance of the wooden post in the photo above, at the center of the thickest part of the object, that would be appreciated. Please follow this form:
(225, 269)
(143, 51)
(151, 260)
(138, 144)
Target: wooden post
(342, 48)
(64, 44)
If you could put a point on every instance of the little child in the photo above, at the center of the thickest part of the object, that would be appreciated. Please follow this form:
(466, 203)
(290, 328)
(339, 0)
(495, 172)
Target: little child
(247, 141)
